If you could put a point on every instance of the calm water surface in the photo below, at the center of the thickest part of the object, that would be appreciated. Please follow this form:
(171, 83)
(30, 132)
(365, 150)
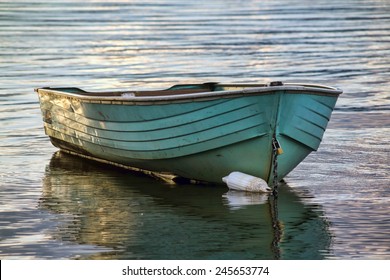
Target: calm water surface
(334, 205)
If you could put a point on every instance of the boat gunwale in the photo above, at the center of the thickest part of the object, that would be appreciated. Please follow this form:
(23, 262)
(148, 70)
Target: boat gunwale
(120, 97)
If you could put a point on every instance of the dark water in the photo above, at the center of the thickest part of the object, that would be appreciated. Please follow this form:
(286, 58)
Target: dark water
(335, 205)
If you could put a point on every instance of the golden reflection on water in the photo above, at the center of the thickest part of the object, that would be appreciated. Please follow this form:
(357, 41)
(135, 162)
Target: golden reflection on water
(139, 217)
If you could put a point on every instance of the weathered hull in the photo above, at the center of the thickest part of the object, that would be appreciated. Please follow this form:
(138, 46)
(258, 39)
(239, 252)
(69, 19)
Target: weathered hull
(204, 137)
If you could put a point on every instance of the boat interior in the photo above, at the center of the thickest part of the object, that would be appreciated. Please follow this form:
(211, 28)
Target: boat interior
(174, 90)
(188, 89)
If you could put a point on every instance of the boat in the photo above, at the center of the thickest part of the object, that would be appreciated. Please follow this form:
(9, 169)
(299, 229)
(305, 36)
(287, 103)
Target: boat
(200, 132)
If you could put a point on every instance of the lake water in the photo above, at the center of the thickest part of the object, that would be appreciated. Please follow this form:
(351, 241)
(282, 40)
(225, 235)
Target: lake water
(334, 205)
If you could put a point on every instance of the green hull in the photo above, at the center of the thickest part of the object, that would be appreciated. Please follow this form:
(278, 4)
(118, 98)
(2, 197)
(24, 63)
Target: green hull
(192, 131)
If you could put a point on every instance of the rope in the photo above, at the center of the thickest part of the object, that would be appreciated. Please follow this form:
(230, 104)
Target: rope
(275, 147)
(273, 201)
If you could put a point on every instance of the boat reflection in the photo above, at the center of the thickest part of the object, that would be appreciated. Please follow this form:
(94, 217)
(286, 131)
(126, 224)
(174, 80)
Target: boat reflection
(238, 199)
(138, 217)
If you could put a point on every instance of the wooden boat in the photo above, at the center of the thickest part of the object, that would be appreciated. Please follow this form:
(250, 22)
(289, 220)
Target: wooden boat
(196, 131)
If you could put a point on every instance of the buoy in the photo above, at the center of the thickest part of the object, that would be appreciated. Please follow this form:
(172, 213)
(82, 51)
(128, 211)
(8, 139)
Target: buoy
(244, 182)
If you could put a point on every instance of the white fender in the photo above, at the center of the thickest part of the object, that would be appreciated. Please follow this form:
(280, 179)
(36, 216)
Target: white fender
(244, 182)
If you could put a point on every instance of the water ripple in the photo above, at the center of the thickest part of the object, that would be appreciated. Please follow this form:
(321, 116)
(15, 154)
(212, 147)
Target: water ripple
(99, 45)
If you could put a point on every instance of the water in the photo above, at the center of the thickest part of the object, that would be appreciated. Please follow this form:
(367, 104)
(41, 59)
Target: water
(334, 205)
